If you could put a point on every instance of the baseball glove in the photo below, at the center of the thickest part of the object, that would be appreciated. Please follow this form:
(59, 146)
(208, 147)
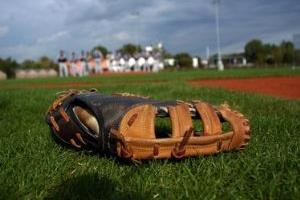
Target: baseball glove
(125, 125)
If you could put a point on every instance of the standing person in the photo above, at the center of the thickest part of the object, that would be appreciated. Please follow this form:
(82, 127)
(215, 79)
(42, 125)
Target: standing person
(157, 64)
(131, 63)
(114, 64)
(73, 64)
(136, 65)
(84, 66)
(150, 63)
(122, 63)
(141, 62)
(97, 56)
(62, 63)
(90, 63)
(105, 63)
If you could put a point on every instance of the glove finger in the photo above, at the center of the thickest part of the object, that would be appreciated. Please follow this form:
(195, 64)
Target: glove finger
(211, 121)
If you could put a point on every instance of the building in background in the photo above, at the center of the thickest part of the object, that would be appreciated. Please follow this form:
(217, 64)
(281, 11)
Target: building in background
(229, 60)
(195, 62)
(169, 62)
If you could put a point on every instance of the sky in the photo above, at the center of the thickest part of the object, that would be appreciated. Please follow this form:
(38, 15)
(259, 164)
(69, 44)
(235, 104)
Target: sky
(33, 28)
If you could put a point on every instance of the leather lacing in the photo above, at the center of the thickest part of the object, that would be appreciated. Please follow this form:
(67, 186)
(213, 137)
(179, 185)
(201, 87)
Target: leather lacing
(64, 115)
(125, 149)
(54, 123)
(179, 149)
(61, 97)
(177, 152)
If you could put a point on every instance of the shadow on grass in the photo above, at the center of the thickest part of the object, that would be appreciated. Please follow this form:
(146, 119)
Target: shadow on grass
(92, 186)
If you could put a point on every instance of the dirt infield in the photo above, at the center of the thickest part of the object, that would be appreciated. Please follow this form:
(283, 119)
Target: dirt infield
(284, 87)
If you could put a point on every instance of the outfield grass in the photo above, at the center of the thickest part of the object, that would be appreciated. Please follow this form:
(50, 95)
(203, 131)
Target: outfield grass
(32, 166)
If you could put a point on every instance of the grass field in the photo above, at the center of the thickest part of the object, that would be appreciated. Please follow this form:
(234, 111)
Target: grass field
(33, 166)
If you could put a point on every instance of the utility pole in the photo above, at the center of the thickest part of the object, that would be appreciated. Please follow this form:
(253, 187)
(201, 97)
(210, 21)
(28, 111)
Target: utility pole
(207, 53)
(219, 62)
(208, 56)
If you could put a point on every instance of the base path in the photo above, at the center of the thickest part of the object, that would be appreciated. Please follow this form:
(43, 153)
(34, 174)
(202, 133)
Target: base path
(285, 87)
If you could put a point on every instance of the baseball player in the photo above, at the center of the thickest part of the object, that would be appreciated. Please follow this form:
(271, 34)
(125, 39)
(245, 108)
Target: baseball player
(62, 63)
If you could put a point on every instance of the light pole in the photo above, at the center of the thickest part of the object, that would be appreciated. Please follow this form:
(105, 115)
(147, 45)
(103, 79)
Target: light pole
(219, 62)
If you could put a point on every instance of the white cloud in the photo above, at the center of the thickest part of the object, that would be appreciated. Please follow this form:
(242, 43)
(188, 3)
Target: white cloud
(122, 36)
(53, 38)
(3, 31)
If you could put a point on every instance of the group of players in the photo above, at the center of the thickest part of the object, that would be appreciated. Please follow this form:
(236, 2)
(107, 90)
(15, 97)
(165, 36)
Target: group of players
(95, 63)
(82, 66)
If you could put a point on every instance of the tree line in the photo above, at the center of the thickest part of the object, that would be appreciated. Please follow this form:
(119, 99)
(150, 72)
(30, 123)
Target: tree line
(9, 65)
(262, 54)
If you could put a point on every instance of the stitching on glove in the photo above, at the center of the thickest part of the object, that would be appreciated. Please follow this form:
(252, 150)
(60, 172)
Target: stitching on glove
(54, 123)
(125, 149)
(64, 115)
(179, 149)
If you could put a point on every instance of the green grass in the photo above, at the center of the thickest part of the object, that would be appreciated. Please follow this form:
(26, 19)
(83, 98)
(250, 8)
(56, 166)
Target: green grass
(33, 166)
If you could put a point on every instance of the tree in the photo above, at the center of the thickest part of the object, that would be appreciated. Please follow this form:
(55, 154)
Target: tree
(271, 54)
(184, 60)
(102, 49)
(167, 55)
(200, 62)
(130, 49)
(277, 55)
(43, 63)
(9, 66)
(254, 52)
(288, 50)
(46, 63)
(28, 64)
(297, 57)
(268, 56)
